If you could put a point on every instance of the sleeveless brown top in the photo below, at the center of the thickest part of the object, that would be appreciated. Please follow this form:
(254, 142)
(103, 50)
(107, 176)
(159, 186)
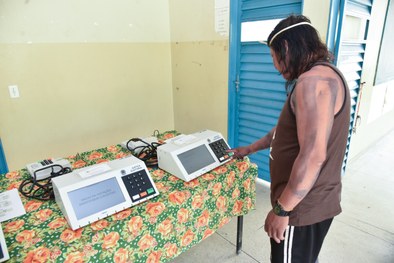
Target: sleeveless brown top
(323, 200)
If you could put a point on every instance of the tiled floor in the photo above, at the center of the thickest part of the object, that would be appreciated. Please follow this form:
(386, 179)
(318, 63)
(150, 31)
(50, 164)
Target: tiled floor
(363, 233)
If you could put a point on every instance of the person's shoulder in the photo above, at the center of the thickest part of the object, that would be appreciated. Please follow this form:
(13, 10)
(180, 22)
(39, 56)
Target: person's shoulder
(319, 71)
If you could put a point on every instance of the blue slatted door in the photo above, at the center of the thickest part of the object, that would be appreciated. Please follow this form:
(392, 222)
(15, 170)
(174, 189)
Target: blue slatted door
(350, 52)
(259, 91)
(261, 97)
(3, 163)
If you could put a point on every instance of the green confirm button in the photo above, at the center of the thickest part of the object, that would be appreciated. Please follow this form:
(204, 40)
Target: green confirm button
(150, 191)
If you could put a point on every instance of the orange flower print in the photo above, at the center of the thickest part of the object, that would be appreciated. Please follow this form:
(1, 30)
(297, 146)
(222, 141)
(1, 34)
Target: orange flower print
(178, 197)
(207, 233)
(29, 257)
(75, 257)
(216, 188)
(110, 240)
(208, 177)
(32, 205)
(237, 207)
(58, 222)
(242, 166)
(187, 238)
(203, 219)
(95, 155)
(155, 209)
(25, 236)
(183, 215)
(173, 178)
(12, 175)
(55, 253)
(112, 149)
(160, 186)
(44, 214)
(40, 254)
(171, 250)
(88, 250)
(14, 226)
(146, 241)
(69, 235)
(224, 221)
(165, 227)
(14, 185)
(197, 201)
(122, 214)
(168, 136)
(220, 170)
(235, 193)
(134, 225)
(158, 173)
(102, 161)
(121, 155)
(154, 257)
(231, 179)
(249, 203)
(99, 225)
(246, 184)
(221, 203)
(192, 184)
(121, 256)
(79, 164)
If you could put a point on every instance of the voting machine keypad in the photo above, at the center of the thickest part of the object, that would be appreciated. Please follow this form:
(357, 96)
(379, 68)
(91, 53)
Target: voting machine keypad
(138, 185)
(219, 148)
(46, 162)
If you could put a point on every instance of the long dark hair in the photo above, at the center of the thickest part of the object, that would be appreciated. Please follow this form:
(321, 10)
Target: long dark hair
(304, 47)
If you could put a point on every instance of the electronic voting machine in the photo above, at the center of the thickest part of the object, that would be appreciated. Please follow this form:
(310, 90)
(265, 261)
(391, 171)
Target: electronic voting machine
(4, 256)
(92, 193)
(189, 156)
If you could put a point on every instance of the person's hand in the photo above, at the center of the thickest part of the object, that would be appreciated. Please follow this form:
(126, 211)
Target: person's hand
(275, 226)
(240, 152)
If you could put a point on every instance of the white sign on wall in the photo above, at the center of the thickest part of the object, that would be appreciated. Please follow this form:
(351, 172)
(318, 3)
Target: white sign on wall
(222, 11)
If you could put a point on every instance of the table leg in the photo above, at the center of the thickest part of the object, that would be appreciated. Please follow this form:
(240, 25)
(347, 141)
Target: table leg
(239, 234)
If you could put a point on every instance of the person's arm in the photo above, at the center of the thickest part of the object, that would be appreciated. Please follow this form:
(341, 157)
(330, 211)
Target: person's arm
(314, 107)
(262, 143)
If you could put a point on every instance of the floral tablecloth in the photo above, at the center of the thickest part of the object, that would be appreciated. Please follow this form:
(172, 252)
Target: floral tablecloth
(154, 231)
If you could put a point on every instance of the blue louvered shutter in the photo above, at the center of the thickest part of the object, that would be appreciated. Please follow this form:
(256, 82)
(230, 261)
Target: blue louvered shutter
(349, 54)
(3, 163)
(256, 89)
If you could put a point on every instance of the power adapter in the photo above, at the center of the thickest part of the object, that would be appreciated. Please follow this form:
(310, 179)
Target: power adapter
(44, 168)
(137, 144)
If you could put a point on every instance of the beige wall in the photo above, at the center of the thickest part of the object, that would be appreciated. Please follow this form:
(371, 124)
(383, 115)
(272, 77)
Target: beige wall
(199, 67)
(318, 12)
(200, 85)
(88, 77)
(92, 21)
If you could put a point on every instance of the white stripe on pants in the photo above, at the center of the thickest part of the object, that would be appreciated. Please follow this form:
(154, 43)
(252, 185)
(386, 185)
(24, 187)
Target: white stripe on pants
(288, 244)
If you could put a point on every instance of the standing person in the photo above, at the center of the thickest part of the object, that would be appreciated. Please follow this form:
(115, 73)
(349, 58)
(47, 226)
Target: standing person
(307, 146)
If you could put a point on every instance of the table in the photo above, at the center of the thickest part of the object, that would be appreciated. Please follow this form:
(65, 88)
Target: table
(184, 214)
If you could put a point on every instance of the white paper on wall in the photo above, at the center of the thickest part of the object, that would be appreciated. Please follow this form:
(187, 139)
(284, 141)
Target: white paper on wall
(222, 13)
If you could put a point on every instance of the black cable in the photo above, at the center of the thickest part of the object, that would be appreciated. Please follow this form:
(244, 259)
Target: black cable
(146, 153)
(156, 133)
(42, 189)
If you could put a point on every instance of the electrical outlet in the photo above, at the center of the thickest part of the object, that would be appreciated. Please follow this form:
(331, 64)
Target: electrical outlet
(14, 91)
